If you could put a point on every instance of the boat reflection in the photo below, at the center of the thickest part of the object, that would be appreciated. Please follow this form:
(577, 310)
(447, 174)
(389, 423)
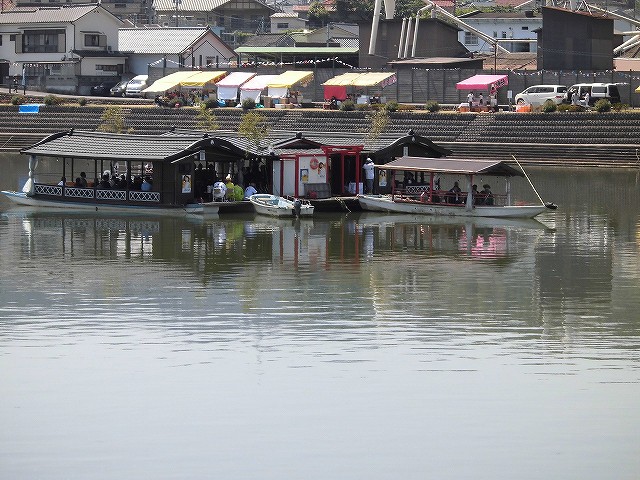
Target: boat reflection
(210, 246)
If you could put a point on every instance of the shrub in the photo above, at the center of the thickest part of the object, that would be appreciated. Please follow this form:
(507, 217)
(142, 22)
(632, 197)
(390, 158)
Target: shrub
(18, 99)
(211, 103)
(347, 106)
(602, 105)
(392, 106)
(549, 106)
(248, 104)
(177, 103)
(432, 106)
(565, 107)
(618, 107)
(82, 101)
(363, 107)
(52, 100)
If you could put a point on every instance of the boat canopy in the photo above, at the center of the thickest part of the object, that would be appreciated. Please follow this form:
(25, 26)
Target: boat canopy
(278, 86)
(228, 86)
(169, 82)
(452, 165)
(254, 87)
(483, 82)
(200, 79)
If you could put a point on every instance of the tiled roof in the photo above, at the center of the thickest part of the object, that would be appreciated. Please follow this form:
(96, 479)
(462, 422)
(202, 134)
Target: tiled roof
(157, 40)
(63, 14)
(284, 15)
(196, 5)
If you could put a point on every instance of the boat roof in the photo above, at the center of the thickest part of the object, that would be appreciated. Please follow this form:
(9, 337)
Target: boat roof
(452, 165)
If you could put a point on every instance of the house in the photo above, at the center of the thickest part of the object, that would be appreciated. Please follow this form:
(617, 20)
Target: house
(157, 51)
(63, 49)
(283, 21)
(137, 12)
(326, 44)
(514, 30)
(232, 15)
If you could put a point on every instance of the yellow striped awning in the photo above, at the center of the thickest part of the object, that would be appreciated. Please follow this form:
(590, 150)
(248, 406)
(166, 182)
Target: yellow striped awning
(169, 82)
(372, 79)
(290, 78)
(200, 79)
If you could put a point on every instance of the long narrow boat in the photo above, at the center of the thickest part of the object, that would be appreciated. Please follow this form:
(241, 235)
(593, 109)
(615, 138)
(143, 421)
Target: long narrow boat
(275, 206)
(430, 200)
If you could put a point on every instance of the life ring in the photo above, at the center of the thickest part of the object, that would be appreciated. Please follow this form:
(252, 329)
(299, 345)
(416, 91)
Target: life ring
(313, 163)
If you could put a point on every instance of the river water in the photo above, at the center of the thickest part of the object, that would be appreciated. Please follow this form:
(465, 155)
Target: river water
(347, 346)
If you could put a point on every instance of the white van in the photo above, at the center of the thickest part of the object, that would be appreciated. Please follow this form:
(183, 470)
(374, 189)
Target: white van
(538, 94)
(136, 85)
(596, 92)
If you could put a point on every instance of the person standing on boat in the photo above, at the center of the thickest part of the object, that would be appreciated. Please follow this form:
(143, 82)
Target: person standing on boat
(369, 174)
(487, 196)
(455, 194)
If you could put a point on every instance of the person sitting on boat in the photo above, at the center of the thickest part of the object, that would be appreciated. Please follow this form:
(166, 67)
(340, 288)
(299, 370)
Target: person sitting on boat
(83, 179)
(146, 184)
(475, 194)
(62, 182)
(219, 191)
(250, 190)
(455, 194)
(78, 183)
(104, 183)
(229, 184)
(487, 196)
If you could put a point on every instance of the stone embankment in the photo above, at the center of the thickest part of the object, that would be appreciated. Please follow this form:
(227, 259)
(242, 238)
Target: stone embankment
(578, 139)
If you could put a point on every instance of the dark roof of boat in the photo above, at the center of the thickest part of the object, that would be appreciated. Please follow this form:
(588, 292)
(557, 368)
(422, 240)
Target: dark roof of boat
(452, 165)
(177, 144)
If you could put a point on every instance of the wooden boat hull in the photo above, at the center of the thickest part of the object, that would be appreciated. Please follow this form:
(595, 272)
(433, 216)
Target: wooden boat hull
(20, 198)
(384, 203)
(275, 206)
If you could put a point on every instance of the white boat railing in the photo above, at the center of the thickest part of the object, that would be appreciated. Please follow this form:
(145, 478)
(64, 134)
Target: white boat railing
(99, 194)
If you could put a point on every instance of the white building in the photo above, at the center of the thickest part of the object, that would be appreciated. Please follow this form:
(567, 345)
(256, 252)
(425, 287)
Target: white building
(284, 21)
(506, 27)
(63, 48)
(159, 51)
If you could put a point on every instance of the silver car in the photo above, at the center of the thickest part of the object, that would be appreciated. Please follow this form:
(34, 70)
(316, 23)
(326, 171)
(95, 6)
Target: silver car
(538, 94)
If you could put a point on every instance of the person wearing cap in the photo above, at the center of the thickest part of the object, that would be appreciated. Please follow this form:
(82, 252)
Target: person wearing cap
(487, 196)
(369, 174)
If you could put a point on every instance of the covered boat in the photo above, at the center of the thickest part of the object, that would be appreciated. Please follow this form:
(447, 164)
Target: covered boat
(430, 199)
(275, 206)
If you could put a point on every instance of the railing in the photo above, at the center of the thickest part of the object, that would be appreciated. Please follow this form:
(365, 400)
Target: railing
(420, 193)
(99, 194)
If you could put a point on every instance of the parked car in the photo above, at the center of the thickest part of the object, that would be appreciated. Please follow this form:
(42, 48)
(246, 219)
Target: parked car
(538, 94)
(136, 85)
(119, 89)
(596, 91)
(103, 89)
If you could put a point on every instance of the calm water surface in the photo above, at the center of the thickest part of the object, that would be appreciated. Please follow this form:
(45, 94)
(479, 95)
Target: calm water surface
(354, 346)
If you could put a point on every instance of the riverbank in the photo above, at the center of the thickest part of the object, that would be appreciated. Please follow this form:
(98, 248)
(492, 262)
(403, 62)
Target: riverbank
(567, 138)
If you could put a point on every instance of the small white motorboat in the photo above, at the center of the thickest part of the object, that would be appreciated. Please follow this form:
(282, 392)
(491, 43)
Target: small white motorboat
(275, 206)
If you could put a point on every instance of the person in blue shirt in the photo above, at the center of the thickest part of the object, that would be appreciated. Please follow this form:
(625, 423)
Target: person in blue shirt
(250, 190)
(146, 184)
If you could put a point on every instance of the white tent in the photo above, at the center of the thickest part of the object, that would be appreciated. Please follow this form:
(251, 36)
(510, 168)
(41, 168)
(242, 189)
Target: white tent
(254, 87)
(228, 86)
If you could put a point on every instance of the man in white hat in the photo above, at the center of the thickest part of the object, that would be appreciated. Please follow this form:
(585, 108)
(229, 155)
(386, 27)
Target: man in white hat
(369, 174)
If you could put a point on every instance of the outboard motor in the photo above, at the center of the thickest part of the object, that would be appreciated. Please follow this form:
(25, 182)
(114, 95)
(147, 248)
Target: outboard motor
(297, 206)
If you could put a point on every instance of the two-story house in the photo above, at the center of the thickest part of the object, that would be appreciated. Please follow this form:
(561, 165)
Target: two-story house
(63, 49)
(514, 30)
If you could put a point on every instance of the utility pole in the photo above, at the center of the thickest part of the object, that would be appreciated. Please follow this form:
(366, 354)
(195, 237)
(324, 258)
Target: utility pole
(177, 2)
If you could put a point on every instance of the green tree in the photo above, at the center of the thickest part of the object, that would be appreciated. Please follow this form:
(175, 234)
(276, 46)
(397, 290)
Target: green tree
(378, 122)
(318, 14)
(112, 120)
(206, 119)
(253, 126)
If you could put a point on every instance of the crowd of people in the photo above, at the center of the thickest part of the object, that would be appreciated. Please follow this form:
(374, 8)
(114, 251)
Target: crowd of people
(209, 186)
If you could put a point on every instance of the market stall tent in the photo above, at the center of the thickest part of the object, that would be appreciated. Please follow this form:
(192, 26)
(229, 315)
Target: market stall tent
(483, 82)
(337, 86)
(228, 86)
(168, 82)
(253, 88)
(203, 79)
(638, 89)
(280, 85)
